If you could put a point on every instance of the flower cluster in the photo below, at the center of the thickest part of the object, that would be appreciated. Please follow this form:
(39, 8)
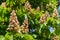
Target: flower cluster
(28, 7)
(55, 13)
(24, 27)
(38, 9)
(13, 22)
(3, 4)
(55, 37)
(44, 17)
(47, 14)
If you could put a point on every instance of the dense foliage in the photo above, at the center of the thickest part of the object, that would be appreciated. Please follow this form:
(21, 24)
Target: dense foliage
(29, 20)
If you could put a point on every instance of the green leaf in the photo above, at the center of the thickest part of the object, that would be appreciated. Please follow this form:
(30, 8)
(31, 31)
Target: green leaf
(2, 37)
(8, 36)
(26, 37)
